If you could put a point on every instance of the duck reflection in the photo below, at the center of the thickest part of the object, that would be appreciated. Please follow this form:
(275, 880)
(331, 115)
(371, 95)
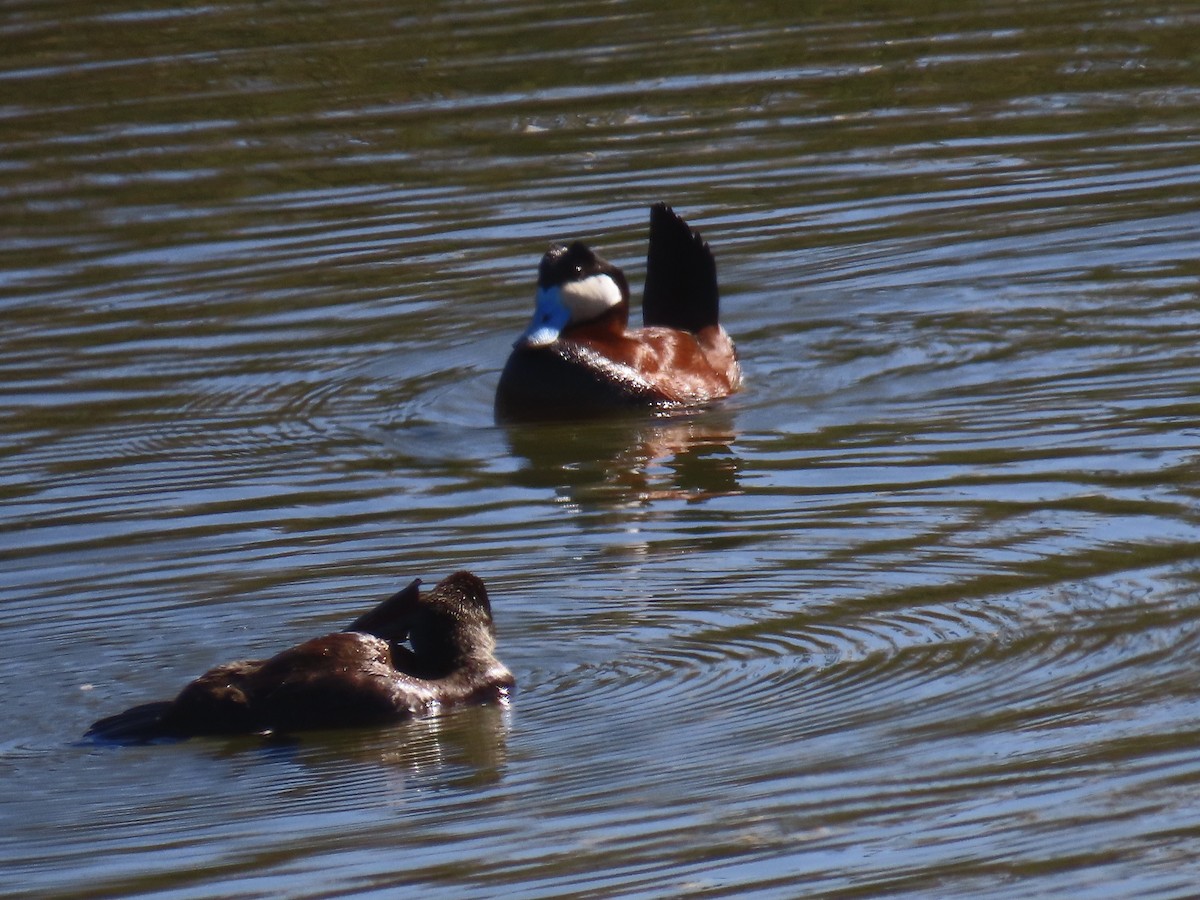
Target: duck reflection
(630, 461)
(465, 746)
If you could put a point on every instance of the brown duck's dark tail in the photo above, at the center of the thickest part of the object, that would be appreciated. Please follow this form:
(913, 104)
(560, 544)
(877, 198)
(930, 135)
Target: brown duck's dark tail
(390, 619)
(681, 275)
(138, 725)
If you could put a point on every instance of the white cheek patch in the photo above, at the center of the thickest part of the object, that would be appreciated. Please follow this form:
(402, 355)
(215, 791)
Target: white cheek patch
(591, 297)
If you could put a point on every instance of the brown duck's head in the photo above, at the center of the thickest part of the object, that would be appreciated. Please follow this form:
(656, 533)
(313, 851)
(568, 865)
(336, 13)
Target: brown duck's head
(453, 622)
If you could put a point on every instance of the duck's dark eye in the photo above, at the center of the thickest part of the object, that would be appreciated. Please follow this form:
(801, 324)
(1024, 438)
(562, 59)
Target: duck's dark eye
(578, 270)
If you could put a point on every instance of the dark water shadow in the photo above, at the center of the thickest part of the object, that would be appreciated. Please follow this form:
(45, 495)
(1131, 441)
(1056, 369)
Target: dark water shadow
(465, 746)
(630, 460)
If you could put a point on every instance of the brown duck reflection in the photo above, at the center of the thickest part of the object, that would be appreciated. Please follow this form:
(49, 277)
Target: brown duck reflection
(630, 461)
(465, 746)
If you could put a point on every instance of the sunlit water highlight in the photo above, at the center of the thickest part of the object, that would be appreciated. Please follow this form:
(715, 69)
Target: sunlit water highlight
(915, 614)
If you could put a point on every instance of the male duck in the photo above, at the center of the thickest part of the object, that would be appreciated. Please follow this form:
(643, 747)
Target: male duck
(360, 676)
(578, 357)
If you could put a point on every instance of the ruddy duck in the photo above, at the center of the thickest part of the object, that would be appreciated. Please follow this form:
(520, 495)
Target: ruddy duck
(360, 676)
(578, 357)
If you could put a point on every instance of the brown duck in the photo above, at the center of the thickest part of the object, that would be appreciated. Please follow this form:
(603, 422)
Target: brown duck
(364, 675)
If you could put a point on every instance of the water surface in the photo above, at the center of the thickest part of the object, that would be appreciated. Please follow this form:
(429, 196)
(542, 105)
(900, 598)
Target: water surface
(915, 614)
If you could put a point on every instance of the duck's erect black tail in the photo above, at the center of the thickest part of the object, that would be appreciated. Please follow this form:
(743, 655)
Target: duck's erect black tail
(681, 275)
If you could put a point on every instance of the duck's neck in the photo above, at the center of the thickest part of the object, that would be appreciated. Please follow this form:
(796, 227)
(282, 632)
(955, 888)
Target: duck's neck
(614, 322)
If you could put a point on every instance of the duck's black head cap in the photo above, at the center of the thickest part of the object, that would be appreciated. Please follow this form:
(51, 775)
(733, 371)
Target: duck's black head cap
(564, 263)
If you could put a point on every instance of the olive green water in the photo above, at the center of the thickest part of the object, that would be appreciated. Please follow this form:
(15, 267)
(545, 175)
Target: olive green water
(918, 614)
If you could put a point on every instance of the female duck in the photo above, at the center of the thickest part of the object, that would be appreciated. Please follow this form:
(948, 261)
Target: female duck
(360, 676)
(578, 357)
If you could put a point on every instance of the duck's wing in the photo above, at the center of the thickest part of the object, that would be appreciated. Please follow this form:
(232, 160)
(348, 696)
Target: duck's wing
(681, 275)
(389, 620)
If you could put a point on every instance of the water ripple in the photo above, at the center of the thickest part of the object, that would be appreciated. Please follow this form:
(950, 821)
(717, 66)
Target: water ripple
(915, 614)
